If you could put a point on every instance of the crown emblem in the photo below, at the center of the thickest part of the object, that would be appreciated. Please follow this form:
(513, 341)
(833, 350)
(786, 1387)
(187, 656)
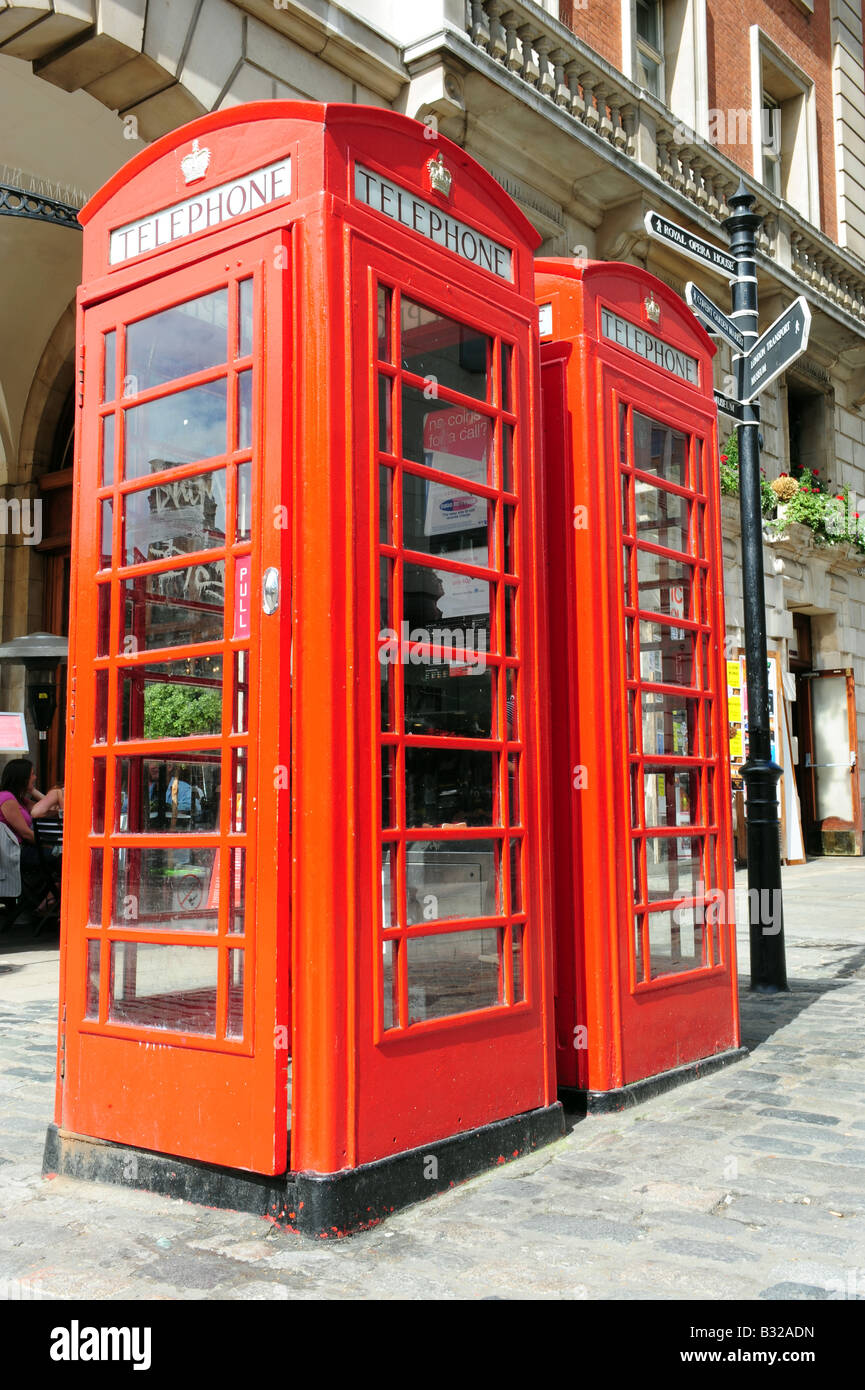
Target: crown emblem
(440, 176)
(194, 164)
(653, 309)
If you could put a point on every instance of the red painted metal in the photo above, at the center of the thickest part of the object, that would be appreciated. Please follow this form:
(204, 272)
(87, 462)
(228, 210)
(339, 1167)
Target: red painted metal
(369, 1078)
(645, 936)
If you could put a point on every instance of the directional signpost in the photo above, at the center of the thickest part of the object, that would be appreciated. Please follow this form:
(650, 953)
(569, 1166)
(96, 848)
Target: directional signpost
(757, 362)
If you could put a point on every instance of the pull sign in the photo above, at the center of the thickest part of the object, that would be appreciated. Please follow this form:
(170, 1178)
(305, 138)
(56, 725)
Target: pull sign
(242, 586)
(270, 591)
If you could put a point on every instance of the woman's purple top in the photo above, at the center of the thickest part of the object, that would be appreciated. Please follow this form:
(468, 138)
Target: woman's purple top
(10, 796)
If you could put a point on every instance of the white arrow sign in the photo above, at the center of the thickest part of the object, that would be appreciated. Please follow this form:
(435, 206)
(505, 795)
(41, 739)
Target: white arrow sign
(690, 245)
(784, 341)
(717, 320)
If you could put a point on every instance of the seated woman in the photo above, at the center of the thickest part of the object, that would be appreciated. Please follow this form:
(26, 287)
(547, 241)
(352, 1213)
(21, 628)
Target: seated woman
(20, 803)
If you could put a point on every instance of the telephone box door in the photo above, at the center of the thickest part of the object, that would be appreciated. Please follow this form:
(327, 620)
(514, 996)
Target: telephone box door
(176, 960)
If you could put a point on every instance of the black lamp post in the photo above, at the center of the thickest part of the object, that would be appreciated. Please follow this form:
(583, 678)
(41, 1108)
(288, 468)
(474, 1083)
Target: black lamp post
(39, 653)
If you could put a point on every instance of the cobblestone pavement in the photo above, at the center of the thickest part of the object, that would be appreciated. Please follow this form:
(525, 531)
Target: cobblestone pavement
(746, 1184)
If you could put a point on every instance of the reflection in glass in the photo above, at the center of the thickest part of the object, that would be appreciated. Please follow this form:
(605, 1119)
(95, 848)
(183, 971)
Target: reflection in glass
(452, 438)
(517, 962)
(244, 502)
(103, 619)
(389, 983)
(673, 866)
(449, 786)
(434, 346)
(448, 699)
(668, 725)
(171, 699)
(180, 428)
(385, 414)
(94, 914)
(166, 889)
(236, 890)
(240, 720)
(244, 410)
(107, 450)
(244, 346)
(383, 304)
(516, 876)
(176, 342)
(670, 797)
(666, 654)
(98, 798)
(662, 517)
(661, 450)
(450, 879)
(168, 987)
(440, 520)
(100, 723)
(109, 378)
(91, 1003)
(165, 795)
(237, 813)
(676, 941)
(106, 532)
(453, 973)
(664, 585)
(388, 787)
(442, 601)
(388, 886)
(174, 518)
(174, 608)
(234, 1018)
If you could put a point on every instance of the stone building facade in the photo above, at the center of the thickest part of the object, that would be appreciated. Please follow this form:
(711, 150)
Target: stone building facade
(589, 114)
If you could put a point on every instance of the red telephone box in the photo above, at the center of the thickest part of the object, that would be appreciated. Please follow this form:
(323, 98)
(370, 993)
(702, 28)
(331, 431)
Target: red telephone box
(305, 942)
(644, 912)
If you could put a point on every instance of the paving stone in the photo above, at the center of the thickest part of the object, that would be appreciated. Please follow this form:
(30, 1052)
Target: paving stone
(805, 1117)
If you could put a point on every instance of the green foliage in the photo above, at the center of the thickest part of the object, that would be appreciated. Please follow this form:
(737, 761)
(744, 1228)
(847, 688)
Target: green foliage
(824, 509)
(730, 476)
(173, 711)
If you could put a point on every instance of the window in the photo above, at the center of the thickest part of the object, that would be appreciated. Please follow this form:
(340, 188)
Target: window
(650, 47)
(785, 127)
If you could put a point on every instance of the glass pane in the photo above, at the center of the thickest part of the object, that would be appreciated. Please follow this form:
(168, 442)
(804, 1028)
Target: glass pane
(384, 313)
(450, 879)
(234, 1019)
(107, 450)
(106, 533)
(163, 795)
(438, 519)
(94, 914)
(516, 876)
(676, 941)
(176, 342)
(667, 654)
(626, 576)
(100, 723)
(512, 710)
(662, 517)
(435, 597)
(659, 449)
(166, 889)
(452, 438)
(514, 815)
(237, 811)
(508, 459)
(510, 621)
(506, 354)
(626, 516)
(174, 699)
(389, 983)
(664, 586)
(674, 867)
(518, 963)
(649, 74)
(182, 428)
(174, 608)
(244, 410)
(510, 533)
(244, 347)
(237, 891)
(240, 721)
(98, 802)
(170, 987)
(388, 886)
(385, 505)
(385, 415)
(91, 1006)
(388, 788)
(668, 725)
(648, 26)
(103, 619)
(448, 699)
(174, 518)
(453, 974)
(109, 380)
(244, 502)
(449, 786)
(445, 351)
(670, 797)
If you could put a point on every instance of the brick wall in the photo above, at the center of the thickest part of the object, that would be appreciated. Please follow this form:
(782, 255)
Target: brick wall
(599, 25)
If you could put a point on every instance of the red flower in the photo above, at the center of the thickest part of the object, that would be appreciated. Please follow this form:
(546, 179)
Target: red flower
(856, 514)
(839, 497)
(782, 475)
(724, 458)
